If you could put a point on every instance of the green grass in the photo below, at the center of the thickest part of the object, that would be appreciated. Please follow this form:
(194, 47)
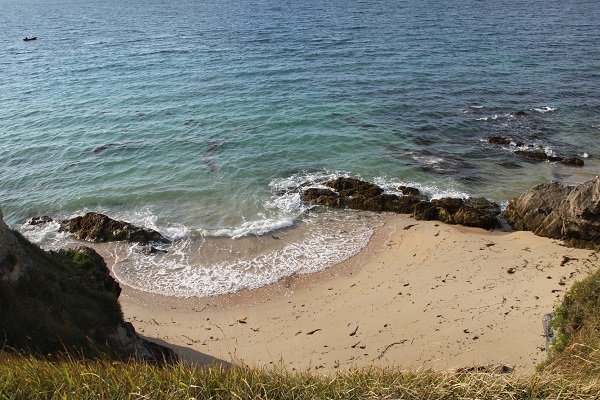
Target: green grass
(25, 377)
(576, 351)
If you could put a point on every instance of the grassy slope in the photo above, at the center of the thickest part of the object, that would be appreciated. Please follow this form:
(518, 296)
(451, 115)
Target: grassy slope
(59, 306)
(28, 378)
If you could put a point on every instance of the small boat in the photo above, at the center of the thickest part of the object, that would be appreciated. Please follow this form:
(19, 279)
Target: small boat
(29, 38)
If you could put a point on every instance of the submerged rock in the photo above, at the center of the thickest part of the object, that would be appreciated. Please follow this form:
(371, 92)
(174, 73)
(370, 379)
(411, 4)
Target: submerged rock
(96, 227)
(475, 212)
(571, 213)
(532, 154)
(572, 161)
(499, 140)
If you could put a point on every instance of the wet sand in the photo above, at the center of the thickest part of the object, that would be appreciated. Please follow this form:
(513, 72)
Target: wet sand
(420, 295)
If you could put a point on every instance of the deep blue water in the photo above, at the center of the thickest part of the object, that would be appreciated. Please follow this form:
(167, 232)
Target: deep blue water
(193, 115)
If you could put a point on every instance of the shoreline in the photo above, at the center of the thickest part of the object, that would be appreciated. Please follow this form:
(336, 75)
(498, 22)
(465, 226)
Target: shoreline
(421, 294)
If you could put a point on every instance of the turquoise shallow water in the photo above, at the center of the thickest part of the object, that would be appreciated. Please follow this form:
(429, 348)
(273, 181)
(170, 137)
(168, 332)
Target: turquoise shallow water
(192, 116)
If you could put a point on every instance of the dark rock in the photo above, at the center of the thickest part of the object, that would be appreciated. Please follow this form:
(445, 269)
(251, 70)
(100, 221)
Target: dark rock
(360, 195)
(352, 187)
(400, 204)
(322, 197)
(409, 191)
(532, 154)
(571, 213)
(44, 219)
(100, 228)
(89, 265)
(519, 144)
(572, 161)
(520, 114)
(499, 140)
(149, 250)
(475, 212)
(554, 158)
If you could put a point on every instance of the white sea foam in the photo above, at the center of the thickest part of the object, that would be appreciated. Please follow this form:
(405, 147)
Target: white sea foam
(493, 118)
(175, 274)
(584, 155)
(430, 190)
(257, 228)
(545, 109)
(477, 107)
(45, 235)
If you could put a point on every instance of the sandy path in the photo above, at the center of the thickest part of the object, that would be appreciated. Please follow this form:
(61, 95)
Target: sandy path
(422, 294)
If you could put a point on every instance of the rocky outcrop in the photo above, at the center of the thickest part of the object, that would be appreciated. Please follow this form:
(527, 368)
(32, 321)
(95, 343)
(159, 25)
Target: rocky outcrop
(570, 213)
(475, 212)
(96, 227)
(356, 194)
(360, 195)
(52, 302)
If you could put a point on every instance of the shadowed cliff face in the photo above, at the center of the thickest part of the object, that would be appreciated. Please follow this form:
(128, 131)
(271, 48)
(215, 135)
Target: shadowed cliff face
(52, 302)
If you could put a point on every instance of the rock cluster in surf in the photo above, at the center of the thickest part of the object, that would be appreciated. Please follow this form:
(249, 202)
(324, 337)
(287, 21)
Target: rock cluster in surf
(359, 195)
(531, 152)
(95, 227)
(554, 210)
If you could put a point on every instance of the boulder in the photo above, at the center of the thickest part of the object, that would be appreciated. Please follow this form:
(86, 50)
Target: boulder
(570, 213)
(475, 212)
(96, 227)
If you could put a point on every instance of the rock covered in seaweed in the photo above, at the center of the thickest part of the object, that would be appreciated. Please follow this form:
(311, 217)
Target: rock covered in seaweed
(554, 210)
(96, 227)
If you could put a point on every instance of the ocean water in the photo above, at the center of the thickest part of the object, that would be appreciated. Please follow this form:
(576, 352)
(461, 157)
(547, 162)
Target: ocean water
(202, 119)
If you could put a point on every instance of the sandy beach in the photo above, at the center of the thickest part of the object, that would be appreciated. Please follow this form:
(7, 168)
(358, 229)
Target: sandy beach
(422, 294)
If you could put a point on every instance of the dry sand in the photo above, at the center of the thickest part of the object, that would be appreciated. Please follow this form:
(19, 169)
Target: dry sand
(421, 295)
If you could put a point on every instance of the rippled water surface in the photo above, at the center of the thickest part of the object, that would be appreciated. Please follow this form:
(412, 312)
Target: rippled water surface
(191, 116)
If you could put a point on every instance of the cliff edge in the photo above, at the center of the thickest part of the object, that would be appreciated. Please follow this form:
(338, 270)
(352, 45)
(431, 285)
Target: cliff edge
(64, 301)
